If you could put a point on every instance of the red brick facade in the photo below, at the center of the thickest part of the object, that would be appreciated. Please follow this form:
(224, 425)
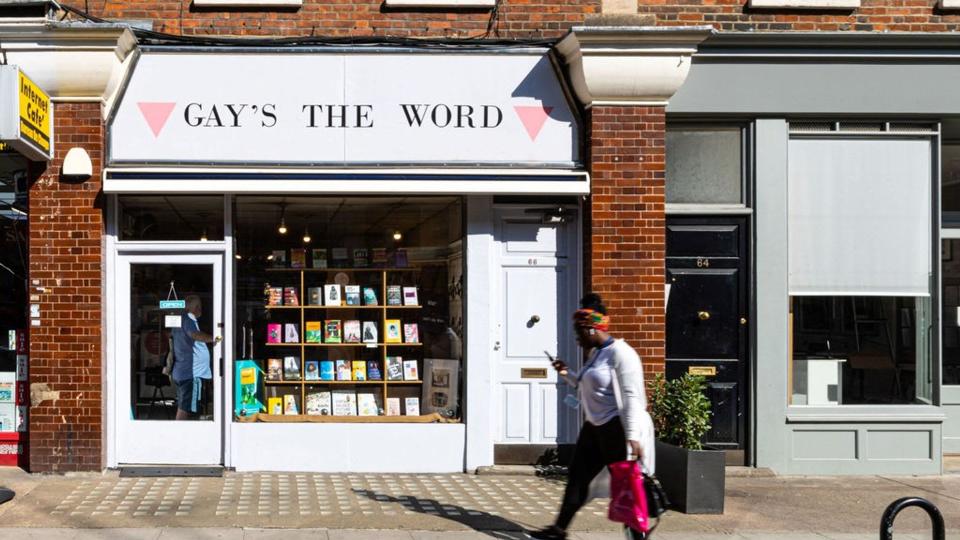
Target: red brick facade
(624, 260)
(66, 235)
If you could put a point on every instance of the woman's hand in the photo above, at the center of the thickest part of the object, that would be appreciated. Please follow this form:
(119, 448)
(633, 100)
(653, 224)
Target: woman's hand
(559, 366)
(635, 450)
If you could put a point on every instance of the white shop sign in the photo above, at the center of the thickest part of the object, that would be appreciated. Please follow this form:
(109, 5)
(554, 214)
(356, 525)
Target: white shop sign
(344, 109)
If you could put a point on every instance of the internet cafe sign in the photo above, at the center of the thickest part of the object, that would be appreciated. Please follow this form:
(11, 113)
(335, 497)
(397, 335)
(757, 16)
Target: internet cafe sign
(264, 109)
(26, 116)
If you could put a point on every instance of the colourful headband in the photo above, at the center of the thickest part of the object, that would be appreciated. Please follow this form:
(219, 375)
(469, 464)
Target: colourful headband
(591, 319)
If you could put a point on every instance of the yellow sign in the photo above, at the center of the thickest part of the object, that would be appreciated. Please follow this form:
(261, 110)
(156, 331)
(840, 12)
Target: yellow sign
(706, 371)
(533, 373)
(248, 376)
(34, 113)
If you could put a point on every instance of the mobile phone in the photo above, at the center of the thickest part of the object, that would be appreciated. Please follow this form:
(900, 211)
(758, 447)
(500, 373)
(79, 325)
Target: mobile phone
(550, 356)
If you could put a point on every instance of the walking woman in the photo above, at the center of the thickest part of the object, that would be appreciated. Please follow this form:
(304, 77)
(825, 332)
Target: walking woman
(611, 393)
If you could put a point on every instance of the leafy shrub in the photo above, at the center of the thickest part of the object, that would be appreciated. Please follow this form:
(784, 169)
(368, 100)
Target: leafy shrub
(681, 410)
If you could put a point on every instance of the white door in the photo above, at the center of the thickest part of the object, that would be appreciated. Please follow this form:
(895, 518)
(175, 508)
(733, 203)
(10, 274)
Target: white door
(537, 289)
(148, 431)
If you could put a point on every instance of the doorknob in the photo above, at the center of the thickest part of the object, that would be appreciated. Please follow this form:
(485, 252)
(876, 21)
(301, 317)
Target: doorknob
(535, 319)
(704, 315)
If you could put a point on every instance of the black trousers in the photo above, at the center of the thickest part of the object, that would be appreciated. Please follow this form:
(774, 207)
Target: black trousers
(597, 447)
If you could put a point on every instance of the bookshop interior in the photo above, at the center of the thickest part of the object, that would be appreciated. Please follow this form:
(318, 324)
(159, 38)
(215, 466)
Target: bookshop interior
(345, 309)
(13, 281)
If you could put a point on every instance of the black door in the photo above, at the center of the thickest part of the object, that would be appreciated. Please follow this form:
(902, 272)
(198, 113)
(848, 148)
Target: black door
(707, 319)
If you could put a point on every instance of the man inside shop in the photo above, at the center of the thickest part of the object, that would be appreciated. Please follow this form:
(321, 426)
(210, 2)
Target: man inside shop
(191, 360)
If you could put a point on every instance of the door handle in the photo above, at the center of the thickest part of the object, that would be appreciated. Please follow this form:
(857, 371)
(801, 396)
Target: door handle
(703, 315)
(535, 319)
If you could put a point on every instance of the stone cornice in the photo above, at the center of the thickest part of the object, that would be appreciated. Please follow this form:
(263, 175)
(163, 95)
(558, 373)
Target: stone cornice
(629, 65)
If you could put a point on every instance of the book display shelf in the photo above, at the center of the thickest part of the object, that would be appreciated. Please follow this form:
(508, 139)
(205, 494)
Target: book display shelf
(340, 348)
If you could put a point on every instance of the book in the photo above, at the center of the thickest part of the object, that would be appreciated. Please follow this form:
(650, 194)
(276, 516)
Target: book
(369, 296)
(410, 296)
(275, 405)
(391, 333)
(274, 295)
(411, 333)
(315, 296)
(291, 368)
(367, 405)
(360, 258)
(410, 372)
(274, 333)
(319, 258)
(290, 296)
(351, 294)
(343, 370)
(319, 403)
(279, 258)
(314, 332)
(394, 368)
(369, 331)
(339, 257)
(274, 369)
(327, 372)
(331, 295)
(311, 370)
(394, 297)
(412, 405)
(290, 404)
(359, 370)
(332, 332)
(373, 371)
(379, 257)
(393, 406)
(344, 403)
(400, 258)
(351, 332)
(298, 258)
(290, 333)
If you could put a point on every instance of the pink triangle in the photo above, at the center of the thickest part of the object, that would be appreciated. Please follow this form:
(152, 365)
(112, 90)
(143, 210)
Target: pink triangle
(533, 118)
(156, 114)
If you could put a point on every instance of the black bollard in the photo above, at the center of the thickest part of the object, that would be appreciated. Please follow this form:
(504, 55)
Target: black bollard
(890, 514)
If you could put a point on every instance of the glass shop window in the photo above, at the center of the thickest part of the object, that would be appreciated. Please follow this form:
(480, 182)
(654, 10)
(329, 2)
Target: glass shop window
(170, 217)
(704, 165)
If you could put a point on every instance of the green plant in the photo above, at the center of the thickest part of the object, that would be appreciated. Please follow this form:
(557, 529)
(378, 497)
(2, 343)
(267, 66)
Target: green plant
(681, 410)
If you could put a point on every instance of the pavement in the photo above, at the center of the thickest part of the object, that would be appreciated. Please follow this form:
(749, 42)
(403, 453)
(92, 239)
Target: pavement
(452, 506)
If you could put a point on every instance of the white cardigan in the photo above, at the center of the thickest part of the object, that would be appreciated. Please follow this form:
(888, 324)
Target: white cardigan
(622, 381)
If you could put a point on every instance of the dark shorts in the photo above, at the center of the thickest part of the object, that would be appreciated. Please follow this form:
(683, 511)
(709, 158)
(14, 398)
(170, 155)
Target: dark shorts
(188, 395)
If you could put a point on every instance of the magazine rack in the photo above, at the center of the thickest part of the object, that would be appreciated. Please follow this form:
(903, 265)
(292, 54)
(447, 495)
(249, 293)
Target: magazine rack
(317, 277)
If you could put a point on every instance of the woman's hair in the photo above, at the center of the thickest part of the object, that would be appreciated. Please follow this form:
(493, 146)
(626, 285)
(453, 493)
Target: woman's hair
(594, 302)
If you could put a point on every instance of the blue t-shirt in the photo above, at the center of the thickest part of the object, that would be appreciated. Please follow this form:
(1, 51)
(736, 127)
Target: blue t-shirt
(191, 357)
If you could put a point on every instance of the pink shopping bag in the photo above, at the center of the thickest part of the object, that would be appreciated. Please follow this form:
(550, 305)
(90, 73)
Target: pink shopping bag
(628, 500)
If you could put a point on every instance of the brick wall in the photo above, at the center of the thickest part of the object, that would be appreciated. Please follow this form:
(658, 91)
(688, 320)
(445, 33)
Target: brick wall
(626, 224)
(66, 230)
(514, 18)
(873, 15)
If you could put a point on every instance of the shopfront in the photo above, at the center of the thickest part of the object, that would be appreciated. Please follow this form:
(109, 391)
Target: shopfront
(385, 240)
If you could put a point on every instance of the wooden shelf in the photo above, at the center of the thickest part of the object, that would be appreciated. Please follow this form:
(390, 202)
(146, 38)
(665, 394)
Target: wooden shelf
(324, 383)
(317, 306)
(405, 382)
(291, 383)
(362, 269)
(282, 307)
(368, 345)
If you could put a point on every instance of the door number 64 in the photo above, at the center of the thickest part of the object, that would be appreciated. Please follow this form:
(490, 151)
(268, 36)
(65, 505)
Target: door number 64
(703, 262)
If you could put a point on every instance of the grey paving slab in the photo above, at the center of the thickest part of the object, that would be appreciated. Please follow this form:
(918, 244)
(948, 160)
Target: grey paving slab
(285, 534)
(201, 534)
(30, 534)
(117, 534)
(370, 535)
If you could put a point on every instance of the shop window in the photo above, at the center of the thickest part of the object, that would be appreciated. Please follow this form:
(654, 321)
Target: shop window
(349, 309)
(860, 267)
(950, 259)
(159, 218)
(950, 184)
(13, 281)
(704, 165)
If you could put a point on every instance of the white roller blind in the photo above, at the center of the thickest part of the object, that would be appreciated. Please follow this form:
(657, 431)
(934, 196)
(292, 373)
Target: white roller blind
(859, 217)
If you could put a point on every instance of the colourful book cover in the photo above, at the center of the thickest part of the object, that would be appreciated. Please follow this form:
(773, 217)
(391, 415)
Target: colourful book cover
(327, 372)
(274, 333)
(274, 369)
(369, 332)
(394, 368)
(411, 333)
(410, 372)
(290, 333)
(331, 295)
(343, 370)
(314, 332)
(291, 368)
(392, 331)
(393, 406)
(274, 295)
(319, 403)
(410, 296)
(319, 258)
(394, 296)
(373, 371)
(412, 405)
(359, 370)
(369, 296)
(351, 294)
(298, 258)
(344, 403)
(332, 332)
(290, 296)
(379, 257)
(361, 259)
(290, 404)
(275, 405)
(312, 371)
(367, 405)
(351, 332)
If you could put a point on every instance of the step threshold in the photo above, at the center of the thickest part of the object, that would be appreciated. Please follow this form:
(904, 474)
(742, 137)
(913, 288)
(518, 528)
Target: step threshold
(152, 471)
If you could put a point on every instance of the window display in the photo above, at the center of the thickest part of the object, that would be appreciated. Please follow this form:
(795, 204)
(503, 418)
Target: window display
(346, 330)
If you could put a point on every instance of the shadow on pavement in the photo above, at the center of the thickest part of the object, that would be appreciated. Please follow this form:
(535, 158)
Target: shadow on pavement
(484, 522)
(5, 495)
